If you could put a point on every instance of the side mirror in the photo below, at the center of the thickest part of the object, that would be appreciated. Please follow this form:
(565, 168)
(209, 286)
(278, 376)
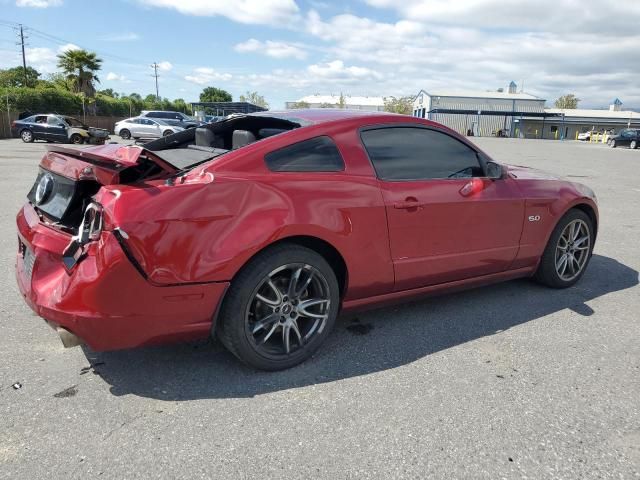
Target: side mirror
(494, 170)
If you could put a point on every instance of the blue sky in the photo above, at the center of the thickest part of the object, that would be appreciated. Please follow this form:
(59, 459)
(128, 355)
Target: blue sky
(285, 49)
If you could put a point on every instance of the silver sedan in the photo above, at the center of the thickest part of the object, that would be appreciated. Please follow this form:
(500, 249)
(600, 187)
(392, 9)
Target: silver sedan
(140, 127)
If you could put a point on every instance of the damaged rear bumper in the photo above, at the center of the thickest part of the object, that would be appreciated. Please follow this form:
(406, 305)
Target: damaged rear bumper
(103, 300)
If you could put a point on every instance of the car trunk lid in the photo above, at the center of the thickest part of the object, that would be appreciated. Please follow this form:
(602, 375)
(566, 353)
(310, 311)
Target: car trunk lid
(68, 178)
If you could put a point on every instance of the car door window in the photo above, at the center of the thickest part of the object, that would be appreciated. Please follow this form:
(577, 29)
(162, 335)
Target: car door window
(55, 121)
(413, 153)
(41, 119)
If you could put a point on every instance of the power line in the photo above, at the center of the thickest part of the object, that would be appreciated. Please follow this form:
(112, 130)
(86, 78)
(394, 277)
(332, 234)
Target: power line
(61, 41)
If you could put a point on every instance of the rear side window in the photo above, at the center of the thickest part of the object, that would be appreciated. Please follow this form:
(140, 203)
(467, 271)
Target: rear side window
(318, 154)
(410, 153)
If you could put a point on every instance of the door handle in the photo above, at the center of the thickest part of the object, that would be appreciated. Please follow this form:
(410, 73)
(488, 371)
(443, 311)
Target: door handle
(410, 203)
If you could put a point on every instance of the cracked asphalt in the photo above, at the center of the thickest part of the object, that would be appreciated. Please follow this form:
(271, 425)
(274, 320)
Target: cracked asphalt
(507, 381)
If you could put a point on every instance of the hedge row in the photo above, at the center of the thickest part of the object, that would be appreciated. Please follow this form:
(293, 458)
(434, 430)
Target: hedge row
(40, 100)
(45, 100)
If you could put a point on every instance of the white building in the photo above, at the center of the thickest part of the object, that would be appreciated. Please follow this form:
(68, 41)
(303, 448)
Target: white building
(568, 123)
(478, 113)
(333, 101)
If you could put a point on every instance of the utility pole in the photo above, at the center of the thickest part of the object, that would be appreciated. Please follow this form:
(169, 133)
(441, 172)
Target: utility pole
(155, 74)
(24, 58)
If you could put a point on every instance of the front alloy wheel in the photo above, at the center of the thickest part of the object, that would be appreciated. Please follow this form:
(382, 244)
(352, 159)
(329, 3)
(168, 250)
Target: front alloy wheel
(279, 308)
(572, 250)
(568, 251)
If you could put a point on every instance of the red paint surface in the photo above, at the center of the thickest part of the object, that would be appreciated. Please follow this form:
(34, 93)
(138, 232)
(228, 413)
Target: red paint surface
(191, 238)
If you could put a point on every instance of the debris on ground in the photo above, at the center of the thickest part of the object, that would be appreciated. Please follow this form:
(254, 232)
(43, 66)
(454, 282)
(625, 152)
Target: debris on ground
(67, 392)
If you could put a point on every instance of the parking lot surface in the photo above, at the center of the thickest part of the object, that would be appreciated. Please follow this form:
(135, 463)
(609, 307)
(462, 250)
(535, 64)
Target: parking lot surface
(509, 381)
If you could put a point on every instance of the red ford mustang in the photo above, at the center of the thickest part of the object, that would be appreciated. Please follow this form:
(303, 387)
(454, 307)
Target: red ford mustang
(260, 228)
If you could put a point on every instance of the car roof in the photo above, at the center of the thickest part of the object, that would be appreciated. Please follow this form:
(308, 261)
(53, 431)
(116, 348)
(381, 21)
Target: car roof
(322, 115)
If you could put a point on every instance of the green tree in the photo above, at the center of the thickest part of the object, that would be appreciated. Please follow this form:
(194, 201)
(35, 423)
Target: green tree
(15, 77)
(109, 93)
(179, 105)
(213, 94)
(342, 102)
(569, 101)
(402, 105)
(255, 98)
(57, 80)
(298, 105)
(80, 67)
(326, 105)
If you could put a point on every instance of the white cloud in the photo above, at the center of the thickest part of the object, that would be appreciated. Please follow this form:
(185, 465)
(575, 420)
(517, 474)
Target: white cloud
(541, 15)
(204, 75)
(272, 49)
(68, 46)
(264, 12)
(38, 3)
(165, 66)
(435, 51)
(45, 59)
(121, 37)
(336, 70)
(111, 76)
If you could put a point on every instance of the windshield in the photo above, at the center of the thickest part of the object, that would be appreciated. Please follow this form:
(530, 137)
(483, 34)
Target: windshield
(73, 122)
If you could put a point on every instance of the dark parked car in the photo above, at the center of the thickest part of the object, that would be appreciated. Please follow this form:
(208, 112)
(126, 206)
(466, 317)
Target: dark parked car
(626, 138)
(177, 119)
(57, 128)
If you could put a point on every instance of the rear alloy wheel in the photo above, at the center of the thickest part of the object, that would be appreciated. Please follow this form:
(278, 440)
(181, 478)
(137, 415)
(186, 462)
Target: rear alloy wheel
(633, 145)
(568, 252)
(125, 134)
(26, 135)
(76, 139)
(166, 133)
(280, 308)
(613, 144)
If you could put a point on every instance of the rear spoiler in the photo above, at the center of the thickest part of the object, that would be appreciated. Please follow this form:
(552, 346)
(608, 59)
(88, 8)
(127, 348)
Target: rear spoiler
(112, 156)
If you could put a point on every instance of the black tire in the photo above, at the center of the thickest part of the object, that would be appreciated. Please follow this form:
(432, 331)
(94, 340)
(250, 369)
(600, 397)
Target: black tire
(26, 135)
(547, 273)
(166, 133)
(234, 327)
(76, 139)
(125, 134)
(613, 144)
(633, 145)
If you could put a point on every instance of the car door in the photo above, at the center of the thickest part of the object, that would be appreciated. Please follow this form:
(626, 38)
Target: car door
(624, 139)
(56, 130)
(135, 127)
(39, 127)
(446, 220)
(151, 128)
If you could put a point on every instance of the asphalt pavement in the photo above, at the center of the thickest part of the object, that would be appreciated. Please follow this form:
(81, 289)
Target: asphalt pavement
(509, 381)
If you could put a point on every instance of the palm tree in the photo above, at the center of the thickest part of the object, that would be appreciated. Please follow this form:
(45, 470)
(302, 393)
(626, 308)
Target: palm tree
(80, 67)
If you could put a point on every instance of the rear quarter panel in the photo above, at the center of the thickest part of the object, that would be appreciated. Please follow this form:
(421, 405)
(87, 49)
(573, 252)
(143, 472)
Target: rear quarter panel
(207, 228)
